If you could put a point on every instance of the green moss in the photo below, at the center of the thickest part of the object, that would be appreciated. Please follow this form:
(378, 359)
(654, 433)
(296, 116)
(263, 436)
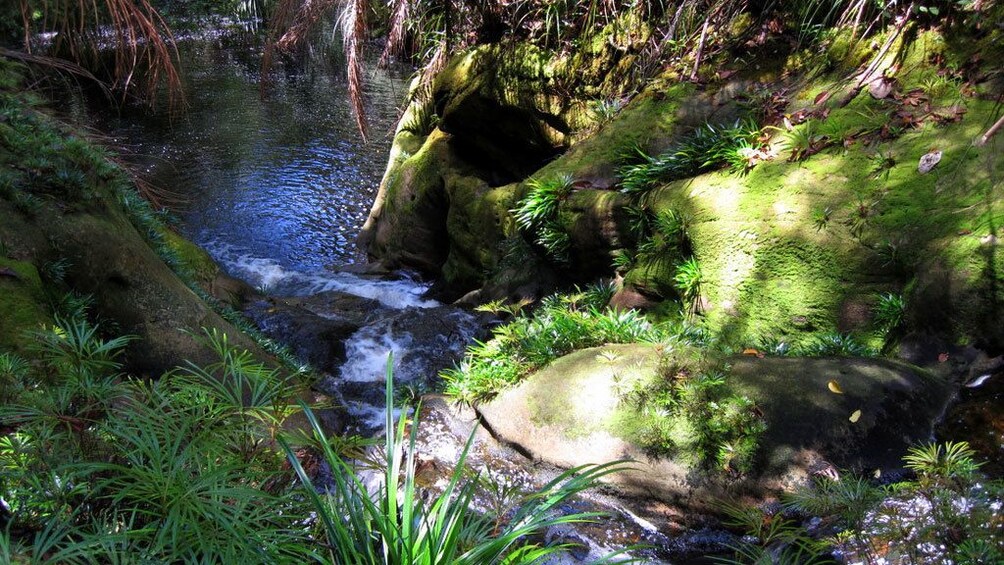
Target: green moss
(192, 258)
(22, 301)
(478, 221)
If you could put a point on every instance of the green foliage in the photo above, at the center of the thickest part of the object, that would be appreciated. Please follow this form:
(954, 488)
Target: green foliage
(942, 462)
(397, 524)
(948, 514)
(560, 325)
(603, 111)
(887, 314)
(537, 214)
(706, 148)
(821, 217)
(687, 281)
(834, 344)
(98, 466)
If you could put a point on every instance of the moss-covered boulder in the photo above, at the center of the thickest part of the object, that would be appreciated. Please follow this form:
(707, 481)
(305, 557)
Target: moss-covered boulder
(820, 412)
(23, 304)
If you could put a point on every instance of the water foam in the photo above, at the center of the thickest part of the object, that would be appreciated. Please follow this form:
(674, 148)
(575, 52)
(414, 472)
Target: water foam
(272, 276)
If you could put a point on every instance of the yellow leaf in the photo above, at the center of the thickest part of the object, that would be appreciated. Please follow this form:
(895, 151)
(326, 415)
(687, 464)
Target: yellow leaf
(855, 416)
(834, 387)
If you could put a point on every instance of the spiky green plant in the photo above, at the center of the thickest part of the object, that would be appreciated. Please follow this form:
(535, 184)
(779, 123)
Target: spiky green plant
(560, 325)
(687, 280)
(704, 149)
(834, 344)
(541, 202)
(397, 524)
(887, 314)
(537, 213)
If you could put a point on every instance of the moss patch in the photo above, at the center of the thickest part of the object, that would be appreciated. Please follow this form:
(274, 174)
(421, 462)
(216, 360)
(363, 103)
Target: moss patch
(22, 300)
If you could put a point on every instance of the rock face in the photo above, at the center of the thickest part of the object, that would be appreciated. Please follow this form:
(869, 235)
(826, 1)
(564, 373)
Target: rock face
(570, 413)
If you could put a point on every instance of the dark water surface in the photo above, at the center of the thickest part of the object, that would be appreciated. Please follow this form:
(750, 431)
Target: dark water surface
(274, 184)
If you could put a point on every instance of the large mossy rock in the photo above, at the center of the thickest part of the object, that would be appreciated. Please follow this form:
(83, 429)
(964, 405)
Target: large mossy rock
(23, 305)
(106, 258)
(570, 413)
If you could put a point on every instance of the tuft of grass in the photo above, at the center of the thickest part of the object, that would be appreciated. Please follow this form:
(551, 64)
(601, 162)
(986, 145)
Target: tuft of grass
(560, 325)
(397, 524)
(835, 344)
(687, 281)
(537, 214)
(888, 312)
(706, 148)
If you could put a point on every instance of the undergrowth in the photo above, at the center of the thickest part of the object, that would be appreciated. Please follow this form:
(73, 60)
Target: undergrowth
(706, 148)
(99, 467)
(946, 513)
(559, 325)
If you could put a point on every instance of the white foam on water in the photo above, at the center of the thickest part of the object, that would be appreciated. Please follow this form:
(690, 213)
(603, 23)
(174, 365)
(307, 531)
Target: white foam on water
(370, 416)
(269, 274)
(366, 353)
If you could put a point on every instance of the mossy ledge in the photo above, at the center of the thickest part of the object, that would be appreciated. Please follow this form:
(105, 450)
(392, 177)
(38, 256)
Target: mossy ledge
(800, 245)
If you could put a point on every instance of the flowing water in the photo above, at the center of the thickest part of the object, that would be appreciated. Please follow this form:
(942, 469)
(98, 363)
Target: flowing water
(276, 188)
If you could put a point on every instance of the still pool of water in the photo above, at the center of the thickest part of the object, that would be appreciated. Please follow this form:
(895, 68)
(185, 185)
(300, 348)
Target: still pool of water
(285, 178)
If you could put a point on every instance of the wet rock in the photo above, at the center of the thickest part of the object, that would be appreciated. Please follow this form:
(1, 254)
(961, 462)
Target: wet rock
(131, 286)
(314, 338)
(444, 428)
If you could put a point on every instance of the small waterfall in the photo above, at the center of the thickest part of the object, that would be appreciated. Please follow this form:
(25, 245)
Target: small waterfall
(272, 277)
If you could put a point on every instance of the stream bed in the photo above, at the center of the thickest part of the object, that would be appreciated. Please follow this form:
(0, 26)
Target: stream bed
(275, 188)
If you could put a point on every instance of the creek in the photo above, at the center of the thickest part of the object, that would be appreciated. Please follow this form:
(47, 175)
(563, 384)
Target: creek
(276, 188)
(276, 185)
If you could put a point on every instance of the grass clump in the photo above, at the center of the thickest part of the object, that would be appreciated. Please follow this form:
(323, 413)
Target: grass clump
(537, 214)
(395, 524)
(560, 325)
(947, 513)
(705, 149)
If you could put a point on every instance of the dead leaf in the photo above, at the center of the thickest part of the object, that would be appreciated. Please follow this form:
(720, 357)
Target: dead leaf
(855, 416)
(752, 352)
(822, 97)
(928, 162)
(965, 232)
(834, 387)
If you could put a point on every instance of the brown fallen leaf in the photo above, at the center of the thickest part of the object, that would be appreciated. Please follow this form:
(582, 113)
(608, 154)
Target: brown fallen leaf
(822, 97)
(834, 387)
(750, 351)
(855, 416)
